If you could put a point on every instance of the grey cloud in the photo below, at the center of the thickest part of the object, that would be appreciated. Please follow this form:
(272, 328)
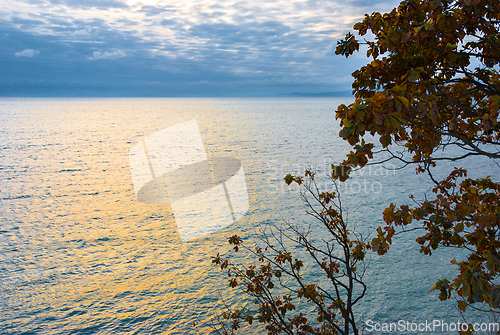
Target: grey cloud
(251, 33)
(252, 56)
(168, 22)
(101, 4)
(26, 22)
(155, 10)
(85, 31)
(107, 55)
(330, 49)
(60, 21)
(127, 22)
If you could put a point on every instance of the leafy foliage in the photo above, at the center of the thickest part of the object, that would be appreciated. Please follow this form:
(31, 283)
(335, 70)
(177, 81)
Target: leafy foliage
(432, 85)
(276, 280)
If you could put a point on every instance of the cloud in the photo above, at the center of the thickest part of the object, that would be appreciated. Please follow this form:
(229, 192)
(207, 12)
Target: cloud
(253, 56)
(27, 53)
(100, 4)
(87, 30)
(330, 50)
(254, 43)
(107, 55)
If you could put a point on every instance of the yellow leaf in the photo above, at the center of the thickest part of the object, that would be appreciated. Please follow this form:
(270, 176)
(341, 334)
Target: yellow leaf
(404, 101)
(429, 24)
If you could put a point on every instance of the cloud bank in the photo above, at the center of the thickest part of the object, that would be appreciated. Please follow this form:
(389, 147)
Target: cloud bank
(165, 47)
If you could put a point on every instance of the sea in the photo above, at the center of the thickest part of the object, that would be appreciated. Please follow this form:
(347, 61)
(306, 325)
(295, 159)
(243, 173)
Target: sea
(80, 254)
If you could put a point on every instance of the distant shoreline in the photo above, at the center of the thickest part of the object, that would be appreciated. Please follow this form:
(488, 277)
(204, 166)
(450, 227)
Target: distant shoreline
(338, 94)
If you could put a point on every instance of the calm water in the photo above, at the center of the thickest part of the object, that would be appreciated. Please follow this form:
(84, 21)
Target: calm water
(80, 255)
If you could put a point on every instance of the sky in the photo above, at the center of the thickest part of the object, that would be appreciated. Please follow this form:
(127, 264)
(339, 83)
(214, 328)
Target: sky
(177, 48)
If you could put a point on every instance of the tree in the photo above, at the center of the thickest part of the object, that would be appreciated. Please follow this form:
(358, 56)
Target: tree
(431, 93)
(276, 280)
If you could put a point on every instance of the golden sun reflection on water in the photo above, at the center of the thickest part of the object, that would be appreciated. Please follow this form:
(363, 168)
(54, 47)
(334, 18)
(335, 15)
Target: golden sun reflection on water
(92, 255)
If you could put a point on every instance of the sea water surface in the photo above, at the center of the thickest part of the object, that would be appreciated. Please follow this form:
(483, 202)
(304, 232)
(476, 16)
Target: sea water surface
(80, 255)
